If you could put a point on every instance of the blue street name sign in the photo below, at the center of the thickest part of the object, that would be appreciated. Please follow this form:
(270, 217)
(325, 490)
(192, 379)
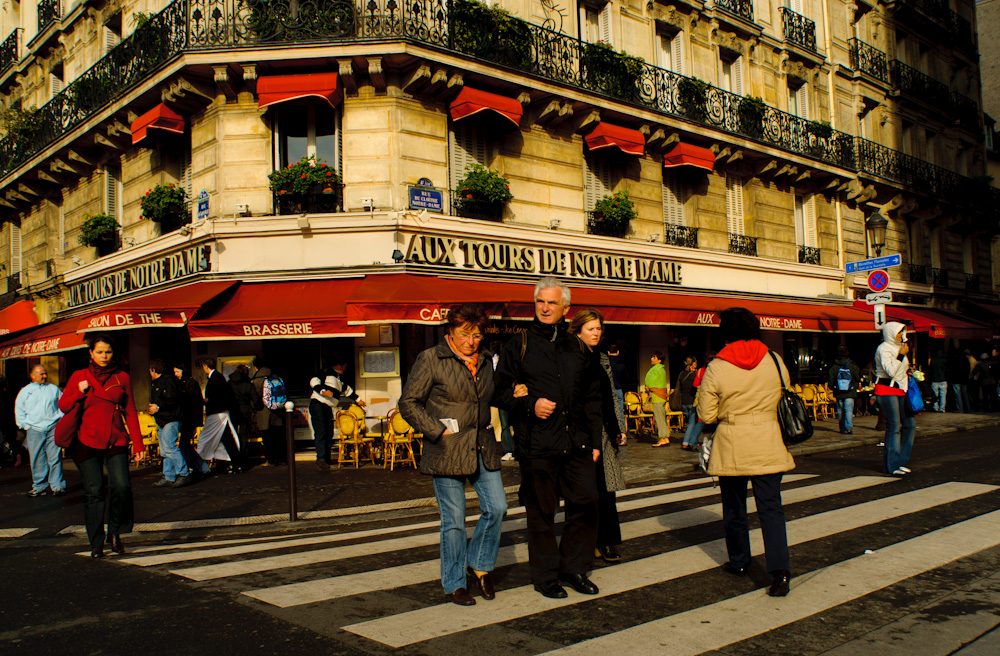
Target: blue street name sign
(426, 199)
(874, 263)
(203, 205)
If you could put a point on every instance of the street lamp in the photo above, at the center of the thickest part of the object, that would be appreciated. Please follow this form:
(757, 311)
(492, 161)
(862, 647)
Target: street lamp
(876, 226)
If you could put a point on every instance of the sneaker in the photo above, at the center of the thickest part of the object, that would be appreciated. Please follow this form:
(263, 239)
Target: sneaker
(60, 492)
(163, 482)
(906, 470)
(900, 472)
(507, 456)
(37, 493)
(183, 481)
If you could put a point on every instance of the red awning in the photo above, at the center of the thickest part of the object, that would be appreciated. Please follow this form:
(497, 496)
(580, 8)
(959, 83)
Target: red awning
(160, 117)
(684, 154)
(171, 308)
(937, 323)
(405, 298)
(18, 316)
(47, 339)
(275, 89)
(605, 135)
(277, 310)
(473, 101)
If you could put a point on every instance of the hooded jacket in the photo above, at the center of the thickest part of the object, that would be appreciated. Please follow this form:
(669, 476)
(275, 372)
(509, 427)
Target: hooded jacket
(852, 391)
(740, 390)
(889, 363)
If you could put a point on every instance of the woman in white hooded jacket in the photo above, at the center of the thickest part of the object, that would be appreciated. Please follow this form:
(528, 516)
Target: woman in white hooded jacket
(891, 365)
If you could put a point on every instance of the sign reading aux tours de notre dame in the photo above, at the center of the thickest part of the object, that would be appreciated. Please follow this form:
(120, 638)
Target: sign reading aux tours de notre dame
(168, 268)
(492, 256)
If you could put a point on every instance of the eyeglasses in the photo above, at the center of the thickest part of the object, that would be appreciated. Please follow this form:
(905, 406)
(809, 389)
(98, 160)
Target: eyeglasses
(466, 337)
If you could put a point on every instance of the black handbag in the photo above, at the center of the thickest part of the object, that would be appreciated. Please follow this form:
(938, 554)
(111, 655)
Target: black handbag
(793, 416)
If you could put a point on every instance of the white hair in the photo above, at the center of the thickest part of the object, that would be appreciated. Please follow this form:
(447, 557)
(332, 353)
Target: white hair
(549, 282)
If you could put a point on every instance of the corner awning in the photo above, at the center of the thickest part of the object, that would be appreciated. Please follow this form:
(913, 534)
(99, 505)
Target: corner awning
(46, 339)
(405, 298)
(473, 101)
(684, 154)
(160, 117)
(274, 89)
(276, 310)
(18, 316)
(171, 308)
(606, 135)
(936, 323)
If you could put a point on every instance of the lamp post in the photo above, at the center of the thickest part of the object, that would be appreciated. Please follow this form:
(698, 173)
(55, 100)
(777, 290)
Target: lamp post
(876, 226)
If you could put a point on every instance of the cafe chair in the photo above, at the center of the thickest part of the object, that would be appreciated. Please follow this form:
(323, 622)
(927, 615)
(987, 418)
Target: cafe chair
(150, 438)
(635, 419)
(398, 440)
(352, 441)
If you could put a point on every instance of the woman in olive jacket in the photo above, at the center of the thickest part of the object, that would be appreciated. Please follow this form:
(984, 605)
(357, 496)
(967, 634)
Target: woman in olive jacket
(447, 398)
(740, 391)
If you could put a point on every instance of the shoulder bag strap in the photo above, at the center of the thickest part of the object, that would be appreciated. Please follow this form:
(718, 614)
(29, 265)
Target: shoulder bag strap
(776, 366)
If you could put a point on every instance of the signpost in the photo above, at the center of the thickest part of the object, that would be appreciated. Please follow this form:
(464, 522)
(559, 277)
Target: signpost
(874, 263)
(878, 280)
(878, 298)
(879, 316)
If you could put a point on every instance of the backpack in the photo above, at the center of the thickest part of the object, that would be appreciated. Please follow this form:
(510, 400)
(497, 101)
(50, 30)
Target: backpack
(273, 391)
(844, 379)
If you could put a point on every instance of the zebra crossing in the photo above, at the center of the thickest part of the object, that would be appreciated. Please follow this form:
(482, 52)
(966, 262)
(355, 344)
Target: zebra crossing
(378, 588)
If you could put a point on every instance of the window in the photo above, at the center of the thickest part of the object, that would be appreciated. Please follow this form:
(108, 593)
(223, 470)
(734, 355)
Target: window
(734, 205)
(805, 221)
(55, 81)
(185, 175)
(673, 206)
(798, 101)
(797, 6)
(61, 237)
(906, 137)
(15, 250)
(466, 147)
(988, 137)
(732, 75)
(932, 147)
(113, 190)
(670, 54)
(597, 180)
(307, 131)
(595, 23)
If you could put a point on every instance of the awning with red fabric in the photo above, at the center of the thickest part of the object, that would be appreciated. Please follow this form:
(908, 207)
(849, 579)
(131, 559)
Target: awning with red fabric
(274, 89)
(46, 339)
(406, 298)
(277, 310)
(937, 323)
(18, 316)
(684, 154)
(171, 308)
(473, 101)
(606, 135)
(160, 117)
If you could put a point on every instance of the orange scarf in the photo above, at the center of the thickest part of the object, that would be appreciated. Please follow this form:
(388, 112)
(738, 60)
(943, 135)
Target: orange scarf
(471, 362)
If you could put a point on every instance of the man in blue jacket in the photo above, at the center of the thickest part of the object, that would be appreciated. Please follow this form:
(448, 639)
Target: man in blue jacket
(36, 412)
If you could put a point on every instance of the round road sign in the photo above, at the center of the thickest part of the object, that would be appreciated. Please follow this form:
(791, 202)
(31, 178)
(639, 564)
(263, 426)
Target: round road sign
(878, 280)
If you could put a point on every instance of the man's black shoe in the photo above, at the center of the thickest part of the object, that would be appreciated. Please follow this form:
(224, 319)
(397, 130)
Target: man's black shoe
(579, 582)
(779, 586)
(609, 554)
(551, 589)
(729, 568)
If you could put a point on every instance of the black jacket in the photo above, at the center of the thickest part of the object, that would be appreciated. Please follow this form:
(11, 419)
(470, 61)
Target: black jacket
(556, 366)
(192, 403)
(851, 393)
(623, 379)
(165, 394)
(219, 395)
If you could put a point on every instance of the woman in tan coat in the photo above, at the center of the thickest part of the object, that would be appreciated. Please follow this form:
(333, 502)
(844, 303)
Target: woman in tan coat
(740, 391)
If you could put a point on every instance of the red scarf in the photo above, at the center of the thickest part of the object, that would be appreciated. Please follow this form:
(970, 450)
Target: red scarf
(471, 362)
(102, 374)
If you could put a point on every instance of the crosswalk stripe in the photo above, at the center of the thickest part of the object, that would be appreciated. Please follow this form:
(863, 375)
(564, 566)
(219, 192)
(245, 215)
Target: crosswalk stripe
(15, 532)
(436, 621)
(712, 627)
(250, 566)
(295, 594)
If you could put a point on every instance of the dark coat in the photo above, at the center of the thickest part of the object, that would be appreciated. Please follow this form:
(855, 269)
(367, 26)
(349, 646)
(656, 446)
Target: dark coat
(685, 381)
(192, 403)
(556, 366)
(440, 386)
(851, 393)
(219, 396)
(243, 392)
(165, 394)
(959, 369)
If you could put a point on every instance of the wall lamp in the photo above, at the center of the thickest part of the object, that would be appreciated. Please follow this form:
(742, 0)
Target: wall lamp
(876, 226)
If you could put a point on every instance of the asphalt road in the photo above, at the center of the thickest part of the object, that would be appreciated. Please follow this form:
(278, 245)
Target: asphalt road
(882, 565)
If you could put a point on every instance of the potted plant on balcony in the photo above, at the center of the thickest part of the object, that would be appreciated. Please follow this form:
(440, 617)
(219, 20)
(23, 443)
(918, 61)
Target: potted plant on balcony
(491, 33)
(164, 204)
(101, 232)
(612, 214)
(21, 126)
(614, 73)
(482, 194)
(821, 132)
(298, 185)
(751, 112)
(692, 96)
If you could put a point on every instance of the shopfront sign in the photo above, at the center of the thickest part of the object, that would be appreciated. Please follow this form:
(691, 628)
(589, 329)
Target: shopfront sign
(544, 261)
(169, 268)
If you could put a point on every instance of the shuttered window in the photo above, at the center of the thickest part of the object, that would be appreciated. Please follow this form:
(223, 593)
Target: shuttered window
(596, 180)
(805, 221)
(798, 101)
(605, 25)
(673, 206)
(797, 7)
(734, 205)
(670, 54)
(185, 178)
(55, 84)
(61, 237)
(112, 190)
(111, 39)
(15, 249)
(466, 147)
(732, 75)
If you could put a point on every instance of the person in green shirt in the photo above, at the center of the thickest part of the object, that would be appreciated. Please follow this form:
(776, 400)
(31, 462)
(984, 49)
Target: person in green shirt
(656, 386)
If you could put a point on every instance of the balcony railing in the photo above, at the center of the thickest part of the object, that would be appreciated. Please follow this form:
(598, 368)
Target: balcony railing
(471, 208)
(920, 85)
(809, 255)
(598, 226)
(798, 29)
(10, 50)
(918, 273)
(13, 282)
(312, 203)
(960, 31)
(741, 8)
(48, 12)
(869, 60)
(678, 235)
(966, 111)
(742, 245)
(972, 282)
(940, 277)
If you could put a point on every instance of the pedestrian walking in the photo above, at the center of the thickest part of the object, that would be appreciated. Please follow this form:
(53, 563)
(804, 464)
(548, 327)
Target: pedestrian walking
(165, 407)
(192, 416)
(891, 384)
(218, 440)
(270, 423)
(621, 374)
(656, 387)
(844, 378)
(685, 383)
(447, 398)
(108, 421)
(36, 410)
(959, 371)
(740, 391)
(938, 375)
(988, 382)
(329, 389)
(243, 393)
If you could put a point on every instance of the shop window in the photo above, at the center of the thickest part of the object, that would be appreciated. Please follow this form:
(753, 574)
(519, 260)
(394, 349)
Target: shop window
(113, 190)
(731, 78)
(595, 23)
(734, 205)
(467, 146)
(307, 131)
(598, 179)
(670, 54)
(673, 206)
(805, 221)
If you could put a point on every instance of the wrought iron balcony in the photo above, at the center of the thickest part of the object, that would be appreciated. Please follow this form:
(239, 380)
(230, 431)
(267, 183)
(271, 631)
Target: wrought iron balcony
(972, 282)
(318, 202)
(678, 235)
(742, 245)
(48, 12)
(918, 273)
(960, 31)
(936, 9)
(798, 29)
(809, 255)
(966, 111)
(920, 85)
(741, 8)
(13, 282)
(940, 277)
(472, 208)
(869, 60)
(596, 225)
(9, 50)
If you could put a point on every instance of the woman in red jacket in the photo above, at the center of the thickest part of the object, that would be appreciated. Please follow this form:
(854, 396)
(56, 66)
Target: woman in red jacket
(108, 420)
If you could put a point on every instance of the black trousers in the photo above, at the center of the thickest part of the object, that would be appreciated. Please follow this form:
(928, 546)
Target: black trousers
(96, 496)
(767, 493)
(609, 530)
(542, 482)
(275, 449)
(236, 458)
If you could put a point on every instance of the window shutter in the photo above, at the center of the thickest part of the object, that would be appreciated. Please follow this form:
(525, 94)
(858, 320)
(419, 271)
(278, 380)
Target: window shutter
(596, 180)
(796, 6)
(799, 221)
(734, 205)
(186, 175)
(802, 101)
(809, 222)
(61, 245)
(737, 74)
(664, 54)
(111, 181)
(55, 84)
(15, 249)
(111, 39)
(677, 53)
(673, 209)
(605, 25)
(467, 147)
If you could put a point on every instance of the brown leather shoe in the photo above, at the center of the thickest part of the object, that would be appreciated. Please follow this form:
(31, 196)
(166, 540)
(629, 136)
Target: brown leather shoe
(485, 584)
(461, 597)
(116, 544)
(779, 586)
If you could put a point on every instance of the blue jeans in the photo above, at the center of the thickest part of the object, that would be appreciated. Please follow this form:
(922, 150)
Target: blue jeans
(961, 392)
(173, 461)
(899, 430)
(620, 393)
(481, 553)
(694, 426)
(845, 414)
(940, 395)
(121, 512)
(46, 460)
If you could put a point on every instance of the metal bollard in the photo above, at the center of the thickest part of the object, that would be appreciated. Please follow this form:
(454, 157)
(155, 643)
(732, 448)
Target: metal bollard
(290, 445)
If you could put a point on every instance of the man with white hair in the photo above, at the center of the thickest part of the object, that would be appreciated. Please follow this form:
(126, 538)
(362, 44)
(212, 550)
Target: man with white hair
(37, 412)
(557, 431)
